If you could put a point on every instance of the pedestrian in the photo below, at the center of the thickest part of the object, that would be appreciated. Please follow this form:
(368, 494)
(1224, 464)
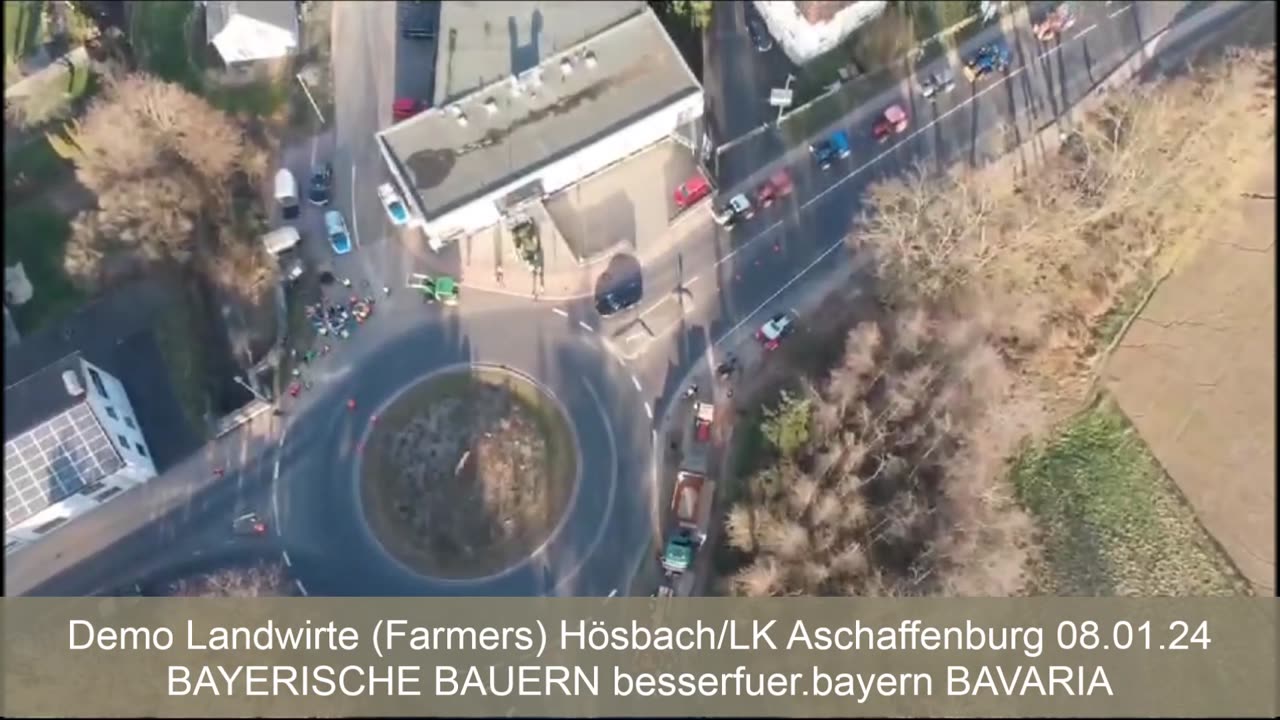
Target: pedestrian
(351, 404)
(386, 291)
(219, 472)
(346, 282)
(498, 271)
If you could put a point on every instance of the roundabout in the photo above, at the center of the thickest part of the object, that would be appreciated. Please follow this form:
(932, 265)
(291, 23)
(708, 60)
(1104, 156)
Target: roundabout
(467, 471)
(576, 520)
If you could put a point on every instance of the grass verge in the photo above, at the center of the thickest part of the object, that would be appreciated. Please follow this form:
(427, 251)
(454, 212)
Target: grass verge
(21, 28)
(36, 235)
(1113, 523)
(381, 501)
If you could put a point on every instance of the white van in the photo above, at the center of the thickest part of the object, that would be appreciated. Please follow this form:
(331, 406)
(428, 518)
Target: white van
(280, 243)
(287, 194)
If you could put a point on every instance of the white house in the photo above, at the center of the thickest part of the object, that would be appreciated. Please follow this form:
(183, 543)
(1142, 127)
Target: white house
(805, 29)
(247, 31)
(565, 90)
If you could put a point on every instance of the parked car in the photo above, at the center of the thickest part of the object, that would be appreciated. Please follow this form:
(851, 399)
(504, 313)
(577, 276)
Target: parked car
(989, 58)
(1058, 21)
(759, 33)
(775, 330)
(738, 209)
(894, 121)
(287, 194)
(778, 186)
(405, 108)
(834, 148)
(938, 83)
(393, 204)
(691, 191)
(620, 298)
(336, 228)
(321, 184)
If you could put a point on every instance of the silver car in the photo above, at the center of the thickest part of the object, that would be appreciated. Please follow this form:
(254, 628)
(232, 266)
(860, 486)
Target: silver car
(937, 83)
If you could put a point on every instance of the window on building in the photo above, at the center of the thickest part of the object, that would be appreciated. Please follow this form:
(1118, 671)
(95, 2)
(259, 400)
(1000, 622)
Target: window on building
(129, 421)
(111, 412)
(124, 441)
(142, 450)
(96, 379)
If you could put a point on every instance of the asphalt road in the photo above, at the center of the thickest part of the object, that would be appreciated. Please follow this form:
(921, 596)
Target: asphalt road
(611, 390)
(736, 77)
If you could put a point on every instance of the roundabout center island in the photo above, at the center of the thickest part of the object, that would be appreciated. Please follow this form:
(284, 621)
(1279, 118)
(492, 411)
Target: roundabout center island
(467, 472)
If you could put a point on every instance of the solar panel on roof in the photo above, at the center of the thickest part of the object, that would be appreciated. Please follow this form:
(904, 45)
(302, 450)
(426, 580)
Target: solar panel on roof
(53, 461)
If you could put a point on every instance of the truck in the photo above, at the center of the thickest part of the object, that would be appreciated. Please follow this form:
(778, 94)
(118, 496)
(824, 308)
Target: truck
(691, 503)
(282, 244)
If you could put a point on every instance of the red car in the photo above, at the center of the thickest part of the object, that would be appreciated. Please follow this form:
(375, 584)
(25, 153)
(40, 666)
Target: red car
(778, 186)
(691, 191)
(405, 108)
(894, 121)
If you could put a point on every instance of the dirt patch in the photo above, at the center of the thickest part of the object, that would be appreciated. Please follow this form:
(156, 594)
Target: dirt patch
(467, 473)
(1196, 375)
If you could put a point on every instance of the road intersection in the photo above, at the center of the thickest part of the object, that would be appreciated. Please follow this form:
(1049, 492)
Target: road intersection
(615, 377)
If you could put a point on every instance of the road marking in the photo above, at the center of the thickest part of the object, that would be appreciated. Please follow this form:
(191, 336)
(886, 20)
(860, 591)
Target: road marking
(275, 474)
(636, 336)
(692, 280)
(1049, 52)
(781, 290)
(301, 589)
(355, 216)
(648, 410)
(1085, 31)
(635, 382)
(585, 326)
(750, 242)
(613, 592)
(287, 561)
(560, 312)
(653, 438)
(1121, 11)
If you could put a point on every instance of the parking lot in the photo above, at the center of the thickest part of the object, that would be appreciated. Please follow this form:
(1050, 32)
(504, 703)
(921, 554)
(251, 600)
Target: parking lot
(625, 208)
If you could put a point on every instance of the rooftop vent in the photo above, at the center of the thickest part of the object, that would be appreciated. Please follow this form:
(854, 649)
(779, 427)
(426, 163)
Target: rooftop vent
(455, 111)
(71, 382)
(462, 118)
(491, 105)
(590, 60)
(516, 90)
(566, 67)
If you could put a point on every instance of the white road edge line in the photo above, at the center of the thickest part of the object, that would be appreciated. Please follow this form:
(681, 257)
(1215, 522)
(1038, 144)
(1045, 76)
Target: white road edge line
(692, 280)
(560, 312)
(287, 561)
(648, 410)
(635, 382)
(585, 326)
(1120, 11)
(1085, 31)
(613, 592)
(781, 290)
(301, 589)
(355, 216)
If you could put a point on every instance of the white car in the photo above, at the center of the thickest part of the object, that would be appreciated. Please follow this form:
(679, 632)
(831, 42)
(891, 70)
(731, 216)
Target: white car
(778, 327)
(739, 208)
(395, 207)
(938, 83)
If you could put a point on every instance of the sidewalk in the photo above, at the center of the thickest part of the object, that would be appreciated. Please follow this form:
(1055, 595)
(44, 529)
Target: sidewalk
(488, 260)
(241, 450)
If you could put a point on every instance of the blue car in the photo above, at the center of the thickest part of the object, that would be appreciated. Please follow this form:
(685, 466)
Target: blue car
(834, 148)
(336, 228)
(989, 58)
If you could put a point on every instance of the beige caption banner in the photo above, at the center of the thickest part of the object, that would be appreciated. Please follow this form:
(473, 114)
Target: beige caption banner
(708, 657)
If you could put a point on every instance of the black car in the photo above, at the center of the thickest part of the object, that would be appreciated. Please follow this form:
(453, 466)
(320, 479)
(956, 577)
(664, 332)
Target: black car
(759, 34)
(321, 184)
(619, 299)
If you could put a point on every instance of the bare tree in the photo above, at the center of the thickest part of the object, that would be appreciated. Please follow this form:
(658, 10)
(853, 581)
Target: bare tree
(261, 580)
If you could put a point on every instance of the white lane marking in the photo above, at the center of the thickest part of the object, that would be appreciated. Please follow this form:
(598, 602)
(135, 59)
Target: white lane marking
(560, 312)
(648, 410)
(1085, 31)
(275, 474)
(355, 216)
(1008, 76)
(301, 589)
(691, 280)
(613, 592)
(635, 382)
(287, 561)
(1120, 11)
(585, 326)
(1049, 52)
(781, 290)
(653, 438)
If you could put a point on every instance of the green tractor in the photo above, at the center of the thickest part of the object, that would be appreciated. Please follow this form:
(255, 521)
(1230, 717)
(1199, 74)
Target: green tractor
(443, 289)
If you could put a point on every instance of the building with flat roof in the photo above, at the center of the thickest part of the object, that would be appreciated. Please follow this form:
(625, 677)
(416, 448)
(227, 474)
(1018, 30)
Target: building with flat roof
(531, 98)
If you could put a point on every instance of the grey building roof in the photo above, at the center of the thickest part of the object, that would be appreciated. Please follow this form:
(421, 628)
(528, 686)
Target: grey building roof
(279, 13)
(617, 76)
(484, 42)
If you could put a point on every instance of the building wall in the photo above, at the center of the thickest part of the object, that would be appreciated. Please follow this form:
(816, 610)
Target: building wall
(560, 174)
(110, 404)
(803, 41)
(66, 510)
